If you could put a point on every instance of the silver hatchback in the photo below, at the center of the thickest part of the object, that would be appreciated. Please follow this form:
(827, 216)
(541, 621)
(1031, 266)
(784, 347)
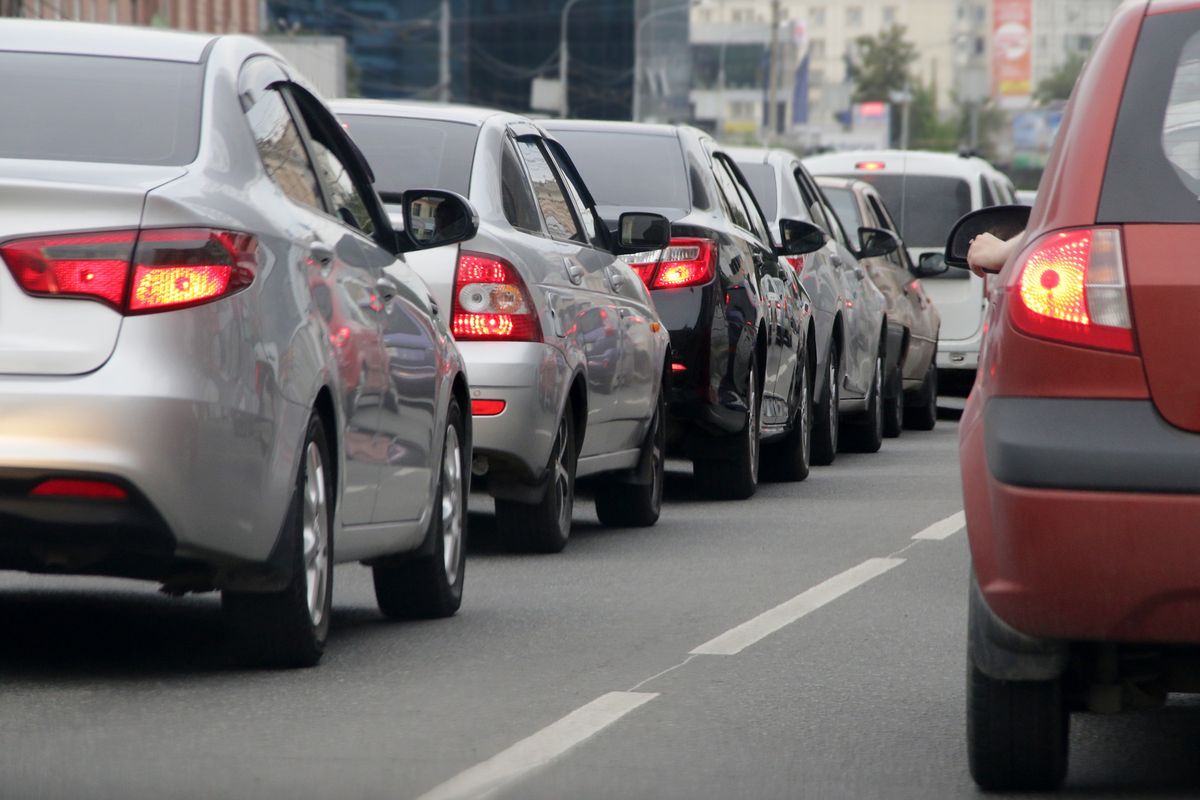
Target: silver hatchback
(214, 371)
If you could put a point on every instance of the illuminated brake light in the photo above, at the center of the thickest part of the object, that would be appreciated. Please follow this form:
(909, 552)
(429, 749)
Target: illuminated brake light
(487, 408)
(684, 262)
(134, 272)
(1071, 288)
(85, 489)
(491, 303)
(677, 367)
(870, 166)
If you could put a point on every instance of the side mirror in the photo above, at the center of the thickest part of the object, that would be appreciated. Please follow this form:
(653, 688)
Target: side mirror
(930, 265)
(434, 217)
(876, 242)
(1003, 222)
(799, 237)
(638, 232)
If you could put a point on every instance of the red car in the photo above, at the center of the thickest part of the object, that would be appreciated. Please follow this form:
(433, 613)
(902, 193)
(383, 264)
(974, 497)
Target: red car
(1080, 443)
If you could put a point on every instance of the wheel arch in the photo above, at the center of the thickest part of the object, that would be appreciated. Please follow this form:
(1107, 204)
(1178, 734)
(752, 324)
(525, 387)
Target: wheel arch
(326, 412)
(577, 397)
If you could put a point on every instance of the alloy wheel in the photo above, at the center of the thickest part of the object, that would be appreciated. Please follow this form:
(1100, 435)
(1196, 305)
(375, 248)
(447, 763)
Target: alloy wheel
(316, 534)
(752, 423)
(452, 505)
(562, 477)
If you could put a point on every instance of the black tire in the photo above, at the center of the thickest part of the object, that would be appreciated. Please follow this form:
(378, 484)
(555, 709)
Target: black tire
(826, 419)
(281, 629)
(866, 435)
(920, 414)
(735, 477)
(788, 459)
(1017, 733)
(893, 404)
(620, 504)
(431, 586)
(545, 527)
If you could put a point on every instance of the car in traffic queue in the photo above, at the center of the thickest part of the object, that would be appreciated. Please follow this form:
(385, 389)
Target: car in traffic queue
(911, 385)
(1080, 442)
(927, 192)
(740, 321)
(849, 310)
(176, 300)
(567, 357)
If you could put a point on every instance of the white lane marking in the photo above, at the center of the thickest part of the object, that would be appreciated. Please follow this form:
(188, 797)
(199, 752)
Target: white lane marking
(549, 743)
(944, 529)
(738, 639)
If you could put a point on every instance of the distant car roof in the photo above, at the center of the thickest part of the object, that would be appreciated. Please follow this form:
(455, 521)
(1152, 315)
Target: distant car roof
(90, 39)
(838, 183)
(605, 126)
(448, 112)
(895, 161)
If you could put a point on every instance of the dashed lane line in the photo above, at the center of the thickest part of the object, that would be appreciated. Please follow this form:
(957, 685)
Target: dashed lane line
(943, 529)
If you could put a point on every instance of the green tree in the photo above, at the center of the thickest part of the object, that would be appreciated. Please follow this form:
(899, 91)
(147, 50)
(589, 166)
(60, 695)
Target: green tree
(884, 65)
(1058, 84)
(926, 128)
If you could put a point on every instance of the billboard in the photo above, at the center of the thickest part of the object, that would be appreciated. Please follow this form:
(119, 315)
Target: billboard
(1012, 52)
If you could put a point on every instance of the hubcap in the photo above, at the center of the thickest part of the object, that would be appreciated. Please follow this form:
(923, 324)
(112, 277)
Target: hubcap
(659, 456)
(878, 393)
(752, 424)
(316, 534)
(804, 415)
(562, 477)
(452, 497)
(833, 400)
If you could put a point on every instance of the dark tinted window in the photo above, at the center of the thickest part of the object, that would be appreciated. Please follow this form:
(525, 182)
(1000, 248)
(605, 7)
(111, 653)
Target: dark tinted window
(845, 207)
(617, 167)
(280, 146)
(415, 153)
(1153, 172)
(761, 178)
(926, 205)
(515, 194)
(113, 110)
(345, 189)
(989, 198)
(729, 194)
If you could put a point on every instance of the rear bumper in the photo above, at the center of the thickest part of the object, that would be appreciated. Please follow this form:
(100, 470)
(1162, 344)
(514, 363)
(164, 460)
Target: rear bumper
(1084, 518)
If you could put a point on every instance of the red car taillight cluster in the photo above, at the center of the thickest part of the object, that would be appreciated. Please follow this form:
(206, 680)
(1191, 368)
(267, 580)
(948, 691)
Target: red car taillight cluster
(684, 262)
(135, 272)
(1071, 288)
(491, 302)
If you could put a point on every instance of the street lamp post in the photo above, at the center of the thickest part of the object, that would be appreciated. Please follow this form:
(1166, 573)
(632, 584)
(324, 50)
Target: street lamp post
(563, 58)
(637, 52)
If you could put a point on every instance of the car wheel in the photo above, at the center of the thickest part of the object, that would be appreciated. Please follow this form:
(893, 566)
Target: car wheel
(866, 435)
(736, 476)
(921, 415)
(620, 504)
(893, 405)
(826, 420)
(431, 586)
(544, 527)
(289, 628)
(1017, 733)
(788, 460)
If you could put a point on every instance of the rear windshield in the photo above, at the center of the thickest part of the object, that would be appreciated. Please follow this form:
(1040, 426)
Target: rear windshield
(761, 178)
(925, 206)
(415, 153)
(629, 169)
(99, 109)
(845, 207)
(1153, 172)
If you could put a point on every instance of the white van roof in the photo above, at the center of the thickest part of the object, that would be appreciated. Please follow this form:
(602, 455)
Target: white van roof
(922, 162)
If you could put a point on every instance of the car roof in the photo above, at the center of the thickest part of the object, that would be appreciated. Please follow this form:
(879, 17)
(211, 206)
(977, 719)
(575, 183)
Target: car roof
(91, 39)
(414, 109)
(605, 126)
(838, 183)
(897, 161)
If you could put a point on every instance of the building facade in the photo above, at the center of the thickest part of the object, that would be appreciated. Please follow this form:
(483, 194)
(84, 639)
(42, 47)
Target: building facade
(212, 16)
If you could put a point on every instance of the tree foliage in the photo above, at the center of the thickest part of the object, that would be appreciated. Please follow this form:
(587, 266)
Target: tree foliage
(1058, 84)
(884, 64)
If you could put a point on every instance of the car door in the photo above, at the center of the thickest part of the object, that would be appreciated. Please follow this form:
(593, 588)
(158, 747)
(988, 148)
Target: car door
(576, 283)
(387, 311)
(817, 274)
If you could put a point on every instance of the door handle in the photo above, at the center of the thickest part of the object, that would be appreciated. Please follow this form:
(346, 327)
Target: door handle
(837, 261)
(320, 254)
(574, 272)
(859, 273)
(433, 306)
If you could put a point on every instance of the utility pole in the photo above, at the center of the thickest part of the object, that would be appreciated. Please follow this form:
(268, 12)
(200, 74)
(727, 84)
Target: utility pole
(444, 54)
(773, 74)
(564, 59)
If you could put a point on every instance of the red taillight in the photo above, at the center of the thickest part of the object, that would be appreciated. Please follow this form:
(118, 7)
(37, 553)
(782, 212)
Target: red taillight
(870, 166)
(88, 490)
(135, 272)
(491, 303)
(487, 408)
(1071, 287)
(677, 367)
(684, 262)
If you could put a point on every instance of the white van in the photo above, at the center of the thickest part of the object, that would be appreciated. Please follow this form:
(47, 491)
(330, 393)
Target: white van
(926, 193)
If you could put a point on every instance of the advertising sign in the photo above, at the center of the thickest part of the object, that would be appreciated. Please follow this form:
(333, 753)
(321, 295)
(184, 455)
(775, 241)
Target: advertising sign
(1012, 51)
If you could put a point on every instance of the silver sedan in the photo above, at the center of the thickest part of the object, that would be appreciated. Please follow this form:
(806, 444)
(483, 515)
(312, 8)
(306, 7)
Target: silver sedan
(215, 373)
(566, 354)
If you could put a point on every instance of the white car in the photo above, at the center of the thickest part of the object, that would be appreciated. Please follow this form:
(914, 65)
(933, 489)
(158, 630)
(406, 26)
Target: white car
(927, 193)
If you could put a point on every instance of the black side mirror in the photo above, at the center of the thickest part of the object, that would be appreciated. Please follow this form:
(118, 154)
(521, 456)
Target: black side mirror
(638, 232)
(799, 237)
(876, 242)
(434, 217)
(1003, 222)
(930, 265)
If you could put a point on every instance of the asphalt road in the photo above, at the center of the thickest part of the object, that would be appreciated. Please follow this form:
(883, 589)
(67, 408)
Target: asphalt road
(569, 676)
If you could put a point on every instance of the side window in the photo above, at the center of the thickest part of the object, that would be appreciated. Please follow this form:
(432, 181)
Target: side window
(899, 256)
(759, 226)
(556, 209)
(346, 199)
(989, 197)
(280, 146)
(729, 193)
(515, 194)
(585, 215)
(812, 204)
